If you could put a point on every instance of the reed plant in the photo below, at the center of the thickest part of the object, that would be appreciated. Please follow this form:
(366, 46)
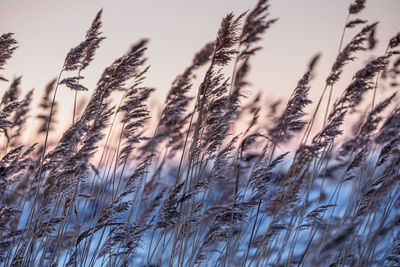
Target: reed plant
(211, 181)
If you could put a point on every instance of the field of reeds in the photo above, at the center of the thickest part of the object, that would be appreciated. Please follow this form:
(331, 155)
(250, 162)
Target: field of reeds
(218, 178)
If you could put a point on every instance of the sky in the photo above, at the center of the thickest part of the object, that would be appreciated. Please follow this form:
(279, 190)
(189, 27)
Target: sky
(46, 30)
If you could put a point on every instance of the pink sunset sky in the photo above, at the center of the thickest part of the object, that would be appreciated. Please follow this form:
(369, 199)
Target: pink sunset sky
(46, 30)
